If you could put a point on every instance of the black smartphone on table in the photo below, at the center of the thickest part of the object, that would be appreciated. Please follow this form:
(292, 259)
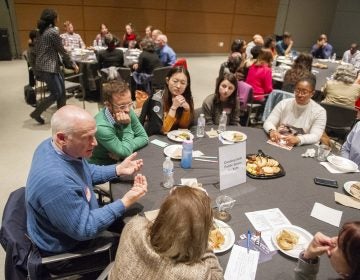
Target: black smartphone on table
(326, 182)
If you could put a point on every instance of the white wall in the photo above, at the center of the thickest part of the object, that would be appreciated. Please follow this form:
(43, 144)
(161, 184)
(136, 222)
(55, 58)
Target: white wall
(346, 25)
(306, 20)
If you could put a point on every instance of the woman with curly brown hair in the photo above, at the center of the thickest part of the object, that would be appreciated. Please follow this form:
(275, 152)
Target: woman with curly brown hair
(300, 69)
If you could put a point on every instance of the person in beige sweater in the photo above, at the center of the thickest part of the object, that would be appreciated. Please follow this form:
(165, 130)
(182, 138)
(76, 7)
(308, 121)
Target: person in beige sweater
(343, 90)
(174, 246)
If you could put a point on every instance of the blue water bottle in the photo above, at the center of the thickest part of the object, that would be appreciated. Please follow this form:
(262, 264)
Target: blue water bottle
(186, 157)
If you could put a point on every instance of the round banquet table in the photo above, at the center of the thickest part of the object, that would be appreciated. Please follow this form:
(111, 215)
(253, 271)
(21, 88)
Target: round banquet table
(294, 194)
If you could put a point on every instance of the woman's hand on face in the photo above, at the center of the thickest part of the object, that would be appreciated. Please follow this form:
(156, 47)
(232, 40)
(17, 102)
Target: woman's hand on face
(318, 246)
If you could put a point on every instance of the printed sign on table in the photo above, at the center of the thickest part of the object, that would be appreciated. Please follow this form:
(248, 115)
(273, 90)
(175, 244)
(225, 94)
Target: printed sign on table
(232, 165)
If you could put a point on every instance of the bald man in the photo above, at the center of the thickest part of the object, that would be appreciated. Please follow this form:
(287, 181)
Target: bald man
(62, 209)
(166, 54)
(257, 41)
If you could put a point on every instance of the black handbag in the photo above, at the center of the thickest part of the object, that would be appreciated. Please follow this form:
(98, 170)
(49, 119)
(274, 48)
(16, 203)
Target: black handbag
(29, 95)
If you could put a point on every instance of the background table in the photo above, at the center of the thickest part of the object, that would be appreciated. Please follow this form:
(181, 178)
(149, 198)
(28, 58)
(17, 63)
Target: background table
(295, 193)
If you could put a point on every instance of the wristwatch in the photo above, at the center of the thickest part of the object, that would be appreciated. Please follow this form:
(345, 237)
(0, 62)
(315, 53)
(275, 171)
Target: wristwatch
(309, 261)
(271, 130)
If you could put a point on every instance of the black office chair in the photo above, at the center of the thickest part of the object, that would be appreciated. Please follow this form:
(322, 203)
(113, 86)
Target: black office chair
(340, 120)
(23, 259)
(158, 80)
(125, 75)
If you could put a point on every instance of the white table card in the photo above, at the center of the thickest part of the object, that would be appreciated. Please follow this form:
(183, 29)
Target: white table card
(232, 165)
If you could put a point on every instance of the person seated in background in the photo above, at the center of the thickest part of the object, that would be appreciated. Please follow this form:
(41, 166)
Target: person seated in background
(119, 132)
(322, 49)
(300, 69)
(111, 56)
(166, 54)
(100, 38)
(257, 41)
(171, 108)
(224, 99)
(342, 90)
(70, 39)
(174, 245)
(31, 56)
(284, 46)
(148, 32)
(342, 250)
(303, 115)
(129, 35)
(62, 209)
(352, 56)
(270, 43)
(155, 33)
(230, 66)
(238, 48)
(260, 76)
(148, 59)
(242, 71)
(351, 148)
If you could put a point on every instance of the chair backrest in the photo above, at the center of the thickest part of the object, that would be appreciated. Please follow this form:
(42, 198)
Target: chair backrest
(273, 99)
(158, 79)
(244, 94)
(339, 116)
(125, 74)
(12, 236)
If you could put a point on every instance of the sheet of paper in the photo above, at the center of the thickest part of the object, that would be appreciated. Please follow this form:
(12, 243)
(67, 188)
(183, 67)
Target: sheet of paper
(326, 214)
(269, 219)
(289, 148)
(347, 200)
(159, 143)
(242, 265)
(332, 169)
(266, 221)
(189, 181)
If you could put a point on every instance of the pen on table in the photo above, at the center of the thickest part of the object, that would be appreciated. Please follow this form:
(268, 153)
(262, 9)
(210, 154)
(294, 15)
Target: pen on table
(207, 160)
(248, 240)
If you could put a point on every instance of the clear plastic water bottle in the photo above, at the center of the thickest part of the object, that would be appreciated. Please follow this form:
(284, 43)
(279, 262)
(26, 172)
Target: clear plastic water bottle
(186, 156)
(222, 122)
(333, 58)
(168, 172)
(200, 130)
(95, 44)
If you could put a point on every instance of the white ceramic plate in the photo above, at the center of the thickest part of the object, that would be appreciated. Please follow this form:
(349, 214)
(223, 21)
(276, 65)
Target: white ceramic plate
(173, 151)
(305, 238)
(229, 235)
(179, 135)
(342, 163)
(229, 136)
(347, 186)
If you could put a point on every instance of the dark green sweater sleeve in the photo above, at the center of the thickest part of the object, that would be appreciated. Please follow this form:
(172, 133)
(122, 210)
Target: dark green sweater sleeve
(121, 140)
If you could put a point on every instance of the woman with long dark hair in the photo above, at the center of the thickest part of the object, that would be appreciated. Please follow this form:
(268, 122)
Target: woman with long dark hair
(48, 47)
(171, 108)
(224, 99)
(342, 250)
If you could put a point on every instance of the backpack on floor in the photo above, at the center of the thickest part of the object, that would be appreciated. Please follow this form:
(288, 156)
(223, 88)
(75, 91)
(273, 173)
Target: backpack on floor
(30, 95)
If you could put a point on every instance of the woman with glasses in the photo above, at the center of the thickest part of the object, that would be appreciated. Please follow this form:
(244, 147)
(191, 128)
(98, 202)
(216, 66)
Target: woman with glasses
(119, 132)
(171, 108)
(305, 117)
(174, 245)
(343, 251)
(224, 99)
